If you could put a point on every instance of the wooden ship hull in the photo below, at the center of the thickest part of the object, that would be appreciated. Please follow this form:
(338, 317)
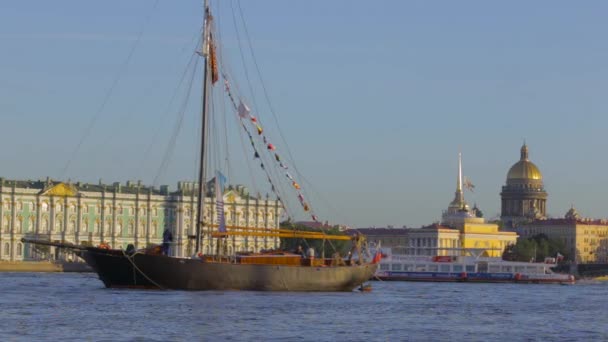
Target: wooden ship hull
(119, 270)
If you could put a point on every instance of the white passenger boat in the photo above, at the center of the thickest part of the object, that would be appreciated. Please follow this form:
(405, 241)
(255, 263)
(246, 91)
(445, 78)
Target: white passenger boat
(463, 265)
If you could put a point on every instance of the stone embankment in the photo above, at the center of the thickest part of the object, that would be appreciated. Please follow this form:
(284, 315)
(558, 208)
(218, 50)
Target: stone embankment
(43, 266)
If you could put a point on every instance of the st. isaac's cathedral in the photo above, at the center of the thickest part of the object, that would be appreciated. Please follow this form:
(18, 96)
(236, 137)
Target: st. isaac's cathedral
(524, 211)
(523, 197)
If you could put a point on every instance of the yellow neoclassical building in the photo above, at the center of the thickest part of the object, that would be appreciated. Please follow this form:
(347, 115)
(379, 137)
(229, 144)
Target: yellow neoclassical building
(585, 240)
(460, 229)
(439, 239)
(474, 232)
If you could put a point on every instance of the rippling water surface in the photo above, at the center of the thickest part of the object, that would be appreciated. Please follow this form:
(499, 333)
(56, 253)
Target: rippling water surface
(45, 306)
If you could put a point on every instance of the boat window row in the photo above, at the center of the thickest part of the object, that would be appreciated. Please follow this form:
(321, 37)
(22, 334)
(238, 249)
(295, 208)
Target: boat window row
(455, 268)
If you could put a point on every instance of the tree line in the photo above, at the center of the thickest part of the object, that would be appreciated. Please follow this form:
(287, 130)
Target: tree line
(536, 248)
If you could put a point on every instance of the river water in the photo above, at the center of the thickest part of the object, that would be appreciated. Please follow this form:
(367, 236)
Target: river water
(76, 307)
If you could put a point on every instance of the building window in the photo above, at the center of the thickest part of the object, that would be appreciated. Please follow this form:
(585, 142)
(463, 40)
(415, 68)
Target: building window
(19, 249)
(7, 249)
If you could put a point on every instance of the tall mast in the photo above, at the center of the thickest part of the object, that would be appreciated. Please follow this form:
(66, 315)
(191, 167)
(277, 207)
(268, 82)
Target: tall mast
(201, 173)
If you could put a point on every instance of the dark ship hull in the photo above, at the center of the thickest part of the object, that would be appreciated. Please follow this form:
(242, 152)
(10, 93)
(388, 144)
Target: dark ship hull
(119, 270)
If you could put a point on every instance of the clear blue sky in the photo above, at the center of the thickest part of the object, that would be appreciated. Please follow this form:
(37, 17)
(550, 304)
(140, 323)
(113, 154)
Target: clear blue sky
(376, 98)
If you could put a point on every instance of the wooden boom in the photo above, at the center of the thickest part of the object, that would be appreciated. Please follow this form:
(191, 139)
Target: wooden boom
(275, 232)
(319, 236)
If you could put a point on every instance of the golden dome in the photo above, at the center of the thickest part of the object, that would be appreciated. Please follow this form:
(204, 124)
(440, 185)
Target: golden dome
(524, 168)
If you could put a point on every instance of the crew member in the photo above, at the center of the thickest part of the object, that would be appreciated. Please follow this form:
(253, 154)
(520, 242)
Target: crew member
(300, 251)
(167, 239)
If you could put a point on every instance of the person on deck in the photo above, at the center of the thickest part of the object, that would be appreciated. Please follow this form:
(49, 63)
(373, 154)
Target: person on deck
(167, 239)
(300, 251)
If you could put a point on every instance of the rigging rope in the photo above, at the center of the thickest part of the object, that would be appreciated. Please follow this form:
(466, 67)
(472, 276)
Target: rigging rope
(253, 97)
(108, 94)
(294, 183)
(176, 129)
(266, 96)
(160, 127)
(271, 108)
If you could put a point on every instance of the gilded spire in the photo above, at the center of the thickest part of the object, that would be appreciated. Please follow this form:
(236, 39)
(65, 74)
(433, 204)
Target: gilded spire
(458, 207)
(459, 195)
(524, 152)
(459, 180)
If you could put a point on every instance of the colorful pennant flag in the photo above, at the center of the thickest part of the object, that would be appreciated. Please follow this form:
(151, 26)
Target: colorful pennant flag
(243, 110)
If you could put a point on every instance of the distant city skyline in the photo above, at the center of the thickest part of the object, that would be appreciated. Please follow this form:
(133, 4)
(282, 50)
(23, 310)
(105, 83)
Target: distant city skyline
(375, 100)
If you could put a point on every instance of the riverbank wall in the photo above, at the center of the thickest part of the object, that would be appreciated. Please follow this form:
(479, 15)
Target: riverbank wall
(43, 266)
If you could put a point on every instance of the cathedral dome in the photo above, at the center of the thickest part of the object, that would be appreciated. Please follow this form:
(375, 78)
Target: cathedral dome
(524, 168)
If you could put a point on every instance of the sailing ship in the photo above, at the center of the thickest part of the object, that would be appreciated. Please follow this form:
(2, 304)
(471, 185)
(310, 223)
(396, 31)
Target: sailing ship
(263, 271)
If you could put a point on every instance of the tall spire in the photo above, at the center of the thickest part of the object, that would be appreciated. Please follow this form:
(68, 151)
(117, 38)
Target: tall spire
(459, 180)
(458, 208)
(458, 203)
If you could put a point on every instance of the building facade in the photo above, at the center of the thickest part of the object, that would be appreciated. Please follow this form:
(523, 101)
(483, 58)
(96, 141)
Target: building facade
(117, 214)
(438, 239)
(585, 240)
(473, 231)
(523, 197)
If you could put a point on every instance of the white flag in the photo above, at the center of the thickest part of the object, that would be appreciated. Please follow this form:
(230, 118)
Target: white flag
(243, 110)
